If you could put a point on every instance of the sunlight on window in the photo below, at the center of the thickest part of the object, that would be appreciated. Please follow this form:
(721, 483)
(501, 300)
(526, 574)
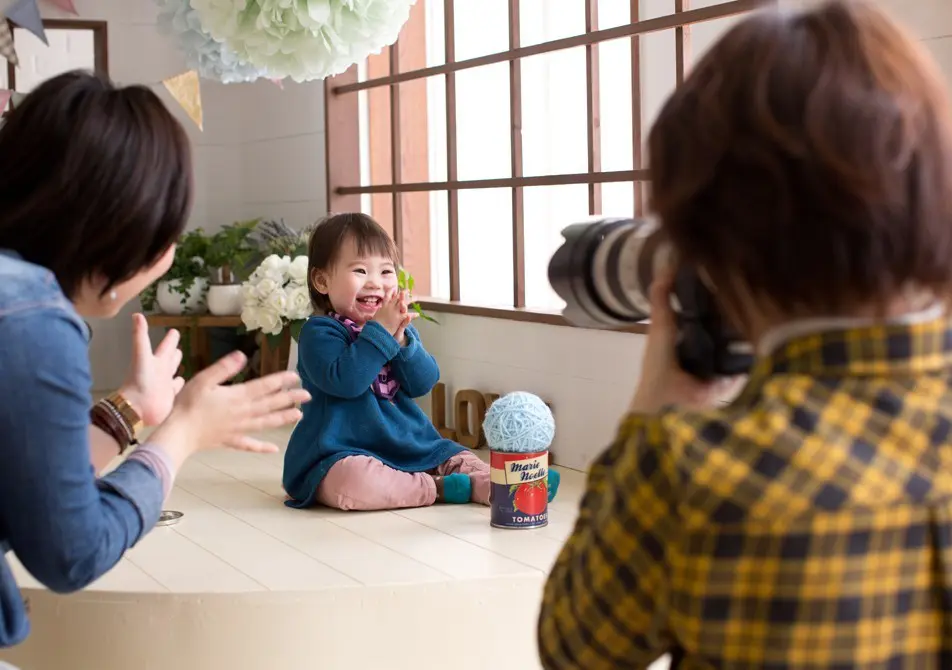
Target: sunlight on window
(485, 247)
(554, 112)
(554, 132)
(482, 122)
(548, 209)
(363, 109)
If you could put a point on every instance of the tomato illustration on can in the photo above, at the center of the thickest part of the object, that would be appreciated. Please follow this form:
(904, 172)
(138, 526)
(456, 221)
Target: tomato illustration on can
(520, 492)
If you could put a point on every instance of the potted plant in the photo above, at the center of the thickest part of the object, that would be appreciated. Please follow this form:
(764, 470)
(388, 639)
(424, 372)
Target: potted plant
(230, 251)
(182, 290)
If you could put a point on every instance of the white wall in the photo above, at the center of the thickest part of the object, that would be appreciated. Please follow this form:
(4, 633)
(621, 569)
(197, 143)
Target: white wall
(588, 376)
(261, 153)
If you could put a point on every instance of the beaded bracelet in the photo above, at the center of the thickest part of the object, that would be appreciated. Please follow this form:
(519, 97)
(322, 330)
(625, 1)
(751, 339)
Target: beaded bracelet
(115, 417)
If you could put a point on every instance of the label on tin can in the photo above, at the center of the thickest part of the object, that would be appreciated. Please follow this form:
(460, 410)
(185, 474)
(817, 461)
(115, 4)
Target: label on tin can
(519, 494)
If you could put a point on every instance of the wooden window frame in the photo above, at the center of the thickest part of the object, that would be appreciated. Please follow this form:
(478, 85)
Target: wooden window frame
(342, 132)
(100, 30)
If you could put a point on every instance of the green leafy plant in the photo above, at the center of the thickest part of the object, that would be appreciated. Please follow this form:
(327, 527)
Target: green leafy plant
(405, 283)
(231, 250)
(148, 297)
(189, 263)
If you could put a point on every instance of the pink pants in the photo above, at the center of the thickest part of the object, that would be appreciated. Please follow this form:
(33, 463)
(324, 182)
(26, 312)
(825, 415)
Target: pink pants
(364, 483)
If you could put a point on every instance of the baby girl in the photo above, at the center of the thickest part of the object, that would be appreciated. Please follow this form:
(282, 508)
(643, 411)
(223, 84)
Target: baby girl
(363, 443)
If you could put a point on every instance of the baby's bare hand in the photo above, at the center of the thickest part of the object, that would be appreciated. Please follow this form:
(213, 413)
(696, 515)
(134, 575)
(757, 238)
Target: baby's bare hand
(391, 313)
(401, 334)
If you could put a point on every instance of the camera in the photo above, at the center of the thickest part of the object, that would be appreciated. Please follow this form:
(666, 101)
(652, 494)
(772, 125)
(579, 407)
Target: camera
(603, 271)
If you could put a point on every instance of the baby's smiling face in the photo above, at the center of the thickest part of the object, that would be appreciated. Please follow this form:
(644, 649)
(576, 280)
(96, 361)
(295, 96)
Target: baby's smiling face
(358, 284)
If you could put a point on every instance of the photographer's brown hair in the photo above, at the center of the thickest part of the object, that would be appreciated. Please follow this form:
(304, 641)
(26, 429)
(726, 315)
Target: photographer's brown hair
(810, 156)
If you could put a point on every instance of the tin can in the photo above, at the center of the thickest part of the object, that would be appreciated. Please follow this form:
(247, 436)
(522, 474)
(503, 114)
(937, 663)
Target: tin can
(519, 492)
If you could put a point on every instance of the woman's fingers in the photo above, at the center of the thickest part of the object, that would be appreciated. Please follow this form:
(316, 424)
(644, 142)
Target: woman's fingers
(177, 384)
(247, 443)
(141, 345)
(222, 370)
(168, 344)
(274, 402)
(174, 360)
(267, 385)
(273, 419)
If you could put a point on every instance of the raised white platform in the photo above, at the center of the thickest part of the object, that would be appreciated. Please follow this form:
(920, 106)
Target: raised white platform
(244, 582)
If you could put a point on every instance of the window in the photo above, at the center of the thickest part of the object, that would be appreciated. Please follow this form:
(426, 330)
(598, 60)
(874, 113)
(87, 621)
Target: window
(489, 126)
(73, 44)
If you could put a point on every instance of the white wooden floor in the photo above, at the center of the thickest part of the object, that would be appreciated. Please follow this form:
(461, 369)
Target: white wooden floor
(243, 581)
(237, 536)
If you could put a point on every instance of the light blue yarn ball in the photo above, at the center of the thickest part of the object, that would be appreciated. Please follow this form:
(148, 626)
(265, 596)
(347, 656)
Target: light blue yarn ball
(519, 423)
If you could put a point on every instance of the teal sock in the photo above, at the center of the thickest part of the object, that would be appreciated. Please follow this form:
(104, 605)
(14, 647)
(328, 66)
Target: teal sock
(554, 479)
(457, 488)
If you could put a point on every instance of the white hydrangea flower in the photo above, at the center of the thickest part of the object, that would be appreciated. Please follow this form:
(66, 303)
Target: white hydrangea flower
(276, 267)
(250, 317)
(299, 303)
(270, 321)
(266, 287)
(277, 300)
(298, 270)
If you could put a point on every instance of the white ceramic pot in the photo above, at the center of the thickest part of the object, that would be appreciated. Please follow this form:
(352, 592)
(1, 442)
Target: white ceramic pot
(292, 356)
(170, 302)
(224, 299)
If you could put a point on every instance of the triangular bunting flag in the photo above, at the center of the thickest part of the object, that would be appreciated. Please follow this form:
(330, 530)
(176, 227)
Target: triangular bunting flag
(26, 14)
(16, 99)
(7, 48)
(4, 99)
(279, 83)
(187, 92)
(65, 5)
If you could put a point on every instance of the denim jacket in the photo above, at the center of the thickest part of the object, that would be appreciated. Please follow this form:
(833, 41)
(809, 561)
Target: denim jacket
(65, 526)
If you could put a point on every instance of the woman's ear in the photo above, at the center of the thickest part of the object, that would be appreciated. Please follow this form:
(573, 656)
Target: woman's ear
(319, 281)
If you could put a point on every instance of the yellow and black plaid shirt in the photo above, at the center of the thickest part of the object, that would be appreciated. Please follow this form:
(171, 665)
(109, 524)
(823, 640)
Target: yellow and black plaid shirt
(807, 525)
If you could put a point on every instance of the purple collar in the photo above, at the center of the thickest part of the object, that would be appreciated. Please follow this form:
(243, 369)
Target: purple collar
(384, 385)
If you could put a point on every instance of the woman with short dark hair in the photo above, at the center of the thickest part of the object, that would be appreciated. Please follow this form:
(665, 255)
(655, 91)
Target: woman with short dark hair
(805, 168)
(95, 188)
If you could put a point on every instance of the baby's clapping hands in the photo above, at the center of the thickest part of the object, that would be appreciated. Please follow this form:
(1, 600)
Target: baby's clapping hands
(394, 315)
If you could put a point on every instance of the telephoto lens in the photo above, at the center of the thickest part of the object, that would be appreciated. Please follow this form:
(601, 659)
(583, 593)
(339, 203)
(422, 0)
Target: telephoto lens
(603, 271)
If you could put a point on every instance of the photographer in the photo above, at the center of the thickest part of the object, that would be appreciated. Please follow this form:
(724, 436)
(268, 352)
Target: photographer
(805, 168)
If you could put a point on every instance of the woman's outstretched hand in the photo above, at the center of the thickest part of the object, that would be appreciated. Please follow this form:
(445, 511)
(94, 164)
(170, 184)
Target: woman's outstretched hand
(207, 413)
(152, 383)
(663, 382)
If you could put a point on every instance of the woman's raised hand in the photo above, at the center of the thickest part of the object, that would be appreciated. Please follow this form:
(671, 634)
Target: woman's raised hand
(207, 413)
(153, 377)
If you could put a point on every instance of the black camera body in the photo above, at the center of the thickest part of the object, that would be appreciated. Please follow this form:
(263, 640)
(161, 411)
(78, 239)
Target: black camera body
(604, 271)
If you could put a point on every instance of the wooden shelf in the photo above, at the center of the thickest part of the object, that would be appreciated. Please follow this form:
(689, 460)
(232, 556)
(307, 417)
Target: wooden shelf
(193, 327)
(192, 321)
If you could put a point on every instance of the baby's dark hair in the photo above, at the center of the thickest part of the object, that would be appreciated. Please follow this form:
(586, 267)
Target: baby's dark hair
(329, 237)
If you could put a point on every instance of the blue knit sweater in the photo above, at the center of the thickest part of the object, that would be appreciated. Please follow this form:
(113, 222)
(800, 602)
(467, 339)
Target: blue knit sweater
(345, 417)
